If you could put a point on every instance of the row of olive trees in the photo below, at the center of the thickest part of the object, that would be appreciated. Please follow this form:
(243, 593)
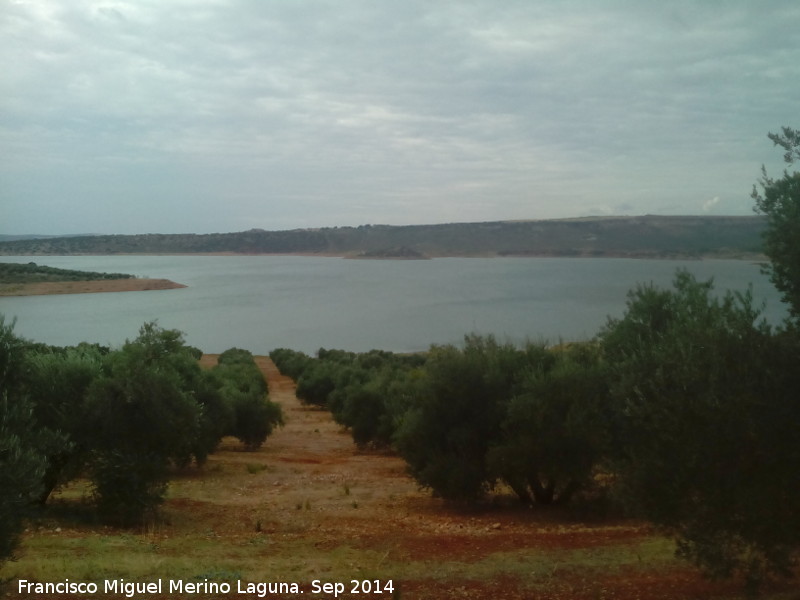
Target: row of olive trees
(123, 418)
(366, 393)
(688, 404)
(467, 418)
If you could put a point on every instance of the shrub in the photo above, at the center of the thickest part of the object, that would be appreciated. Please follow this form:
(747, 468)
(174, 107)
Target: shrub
(456, 414)
(556, 429)
(57, 382)
(22, 466)
(251, 415)
(23, 446)
(290, 362)
(141, 416)
(706, 403)
(317, 382)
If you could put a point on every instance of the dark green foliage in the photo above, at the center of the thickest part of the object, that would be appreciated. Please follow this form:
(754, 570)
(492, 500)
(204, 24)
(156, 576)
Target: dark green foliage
(129, 484)
(217, 417)
(233, 356)
(57, 382)
(251, 415)
(317, 382)
(146, 396)
(21, 462)
(780, 203)
(12, 351)
(290, 362)
(372, 395)
(706, 407)
(789, 140)
(124, 417)
(22, 466)
(33, 273)
(457, 415)
(644, 236)
(142, 417)
(556, 429)
(256, 418)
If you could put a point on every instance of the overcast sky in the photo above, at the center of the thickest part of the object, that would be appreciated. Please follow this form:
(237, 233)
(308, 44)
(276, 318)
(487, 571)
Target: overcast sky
(171, 116)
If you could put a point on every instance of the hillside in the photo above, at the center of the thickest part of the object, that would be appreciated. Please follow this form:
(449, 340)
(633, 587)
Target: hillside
(644, 236)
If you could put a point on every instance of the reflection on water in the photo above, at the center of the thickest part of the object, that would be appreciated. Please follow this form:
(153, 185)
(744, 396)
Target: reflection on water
(265, 302)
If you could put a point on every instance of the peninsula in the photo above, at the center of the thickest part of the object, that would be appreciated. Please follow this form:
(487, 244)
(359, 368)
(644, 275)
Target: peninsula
(31, 279)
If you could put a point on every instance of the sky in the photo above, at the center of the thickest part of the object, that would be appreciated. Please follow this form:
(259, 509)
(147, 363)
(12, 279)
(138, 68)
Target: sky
(199, 116)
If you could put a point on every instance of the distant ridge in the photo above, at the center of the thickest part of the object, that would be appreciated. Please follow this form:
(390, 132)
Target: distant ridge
(648, 236)
(34, 236)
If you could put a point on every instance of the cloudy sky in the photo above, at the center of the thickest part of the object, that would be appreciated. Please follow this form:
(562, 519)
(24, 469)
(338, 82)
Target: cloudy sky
(166, 116)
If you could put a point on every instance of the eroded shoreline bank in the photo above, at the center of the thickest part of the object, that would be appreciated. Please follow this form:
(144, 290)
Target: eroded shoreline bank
(87, 287)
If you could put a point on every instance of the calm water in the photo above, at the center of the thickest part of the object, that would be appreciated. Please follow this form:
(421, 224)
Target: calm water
(264, 302)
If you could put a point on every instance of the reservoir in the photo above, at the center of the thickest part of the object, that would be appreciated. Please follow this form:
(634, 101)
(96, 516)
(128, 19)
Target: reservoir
(264, 302)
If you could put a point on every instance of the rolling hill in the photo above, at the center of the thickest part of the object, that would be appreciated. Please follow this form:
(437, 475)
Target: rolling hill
(648, 236)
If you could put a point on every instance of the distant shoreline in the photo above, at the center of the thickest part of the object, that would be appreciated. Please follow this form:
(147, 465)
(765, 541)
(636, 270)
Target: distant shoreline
(646, 236)
(751, 256)
(99, 286)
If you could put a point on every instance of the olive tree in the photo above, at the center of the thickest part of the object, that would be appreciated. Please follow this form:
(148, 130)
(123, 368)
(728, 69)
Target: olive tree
(779, 201)
(556, 430)
(456, 414)
(21, 463)
(252, 415)
(57, 382)
(142, 416)
(706, 409)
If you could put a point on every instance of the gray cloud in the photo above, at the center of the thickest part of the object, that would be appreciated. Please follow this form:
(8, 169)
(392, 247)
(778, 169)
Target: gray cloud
(201, 115)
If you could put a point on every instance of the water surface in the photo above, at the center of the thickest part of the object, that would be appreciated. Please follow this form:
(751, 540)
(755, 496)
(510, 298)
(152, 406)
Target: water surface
(264, 302)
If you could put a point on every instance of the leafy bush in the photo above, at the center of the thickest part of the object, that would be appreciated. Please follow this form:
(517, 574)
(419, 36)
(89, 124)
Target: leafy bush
(22, 466)
(556, 429)
(129, 484)
(456, 415)
(252, 416)
(290, 362)
(780, 203)
(317, 382)
(707, 408)
(23, 446)
(57, 382)
(142, 417)
(372, 396)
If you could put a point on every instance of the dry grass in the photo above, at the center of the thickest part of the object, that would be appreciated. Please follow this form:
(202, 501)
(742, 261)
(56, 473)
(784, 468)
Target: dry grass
(309, 506)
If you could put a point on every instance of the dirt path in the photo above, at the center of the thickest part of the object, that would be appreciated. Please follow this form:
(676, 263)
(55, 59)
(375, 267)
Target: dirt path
(350, 514)
(309, 506)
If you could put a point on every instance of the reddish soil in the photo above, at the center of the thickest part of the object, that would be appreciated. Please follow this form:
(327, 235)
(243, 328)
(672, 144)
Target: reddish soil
(406, 525)
(309, 505)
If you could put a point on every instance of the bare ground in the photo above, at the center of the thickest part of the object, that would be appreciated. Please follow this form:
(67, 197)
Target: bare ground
(310, 506)
(87, 287)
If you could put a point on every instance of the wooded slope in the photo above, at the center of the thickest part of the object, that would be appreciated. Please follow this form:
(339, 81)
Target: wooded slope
(643, 236)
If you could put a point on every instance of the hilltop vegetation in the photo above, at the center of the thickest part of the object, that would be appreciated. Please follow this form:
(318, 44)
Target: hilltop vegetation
(646, 237)
(33, 273)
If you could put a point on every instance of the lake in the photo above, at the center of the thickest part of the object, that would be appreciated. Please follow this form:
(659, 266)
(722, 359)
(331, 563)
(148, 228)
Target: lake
(265, 302)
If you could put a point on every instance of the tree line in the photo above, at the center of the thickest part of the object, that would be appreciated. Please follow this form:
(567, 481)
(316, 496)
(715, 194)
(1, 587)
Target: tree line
(685, 410)
(124, 418)
(33, 273)
(641, 236)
